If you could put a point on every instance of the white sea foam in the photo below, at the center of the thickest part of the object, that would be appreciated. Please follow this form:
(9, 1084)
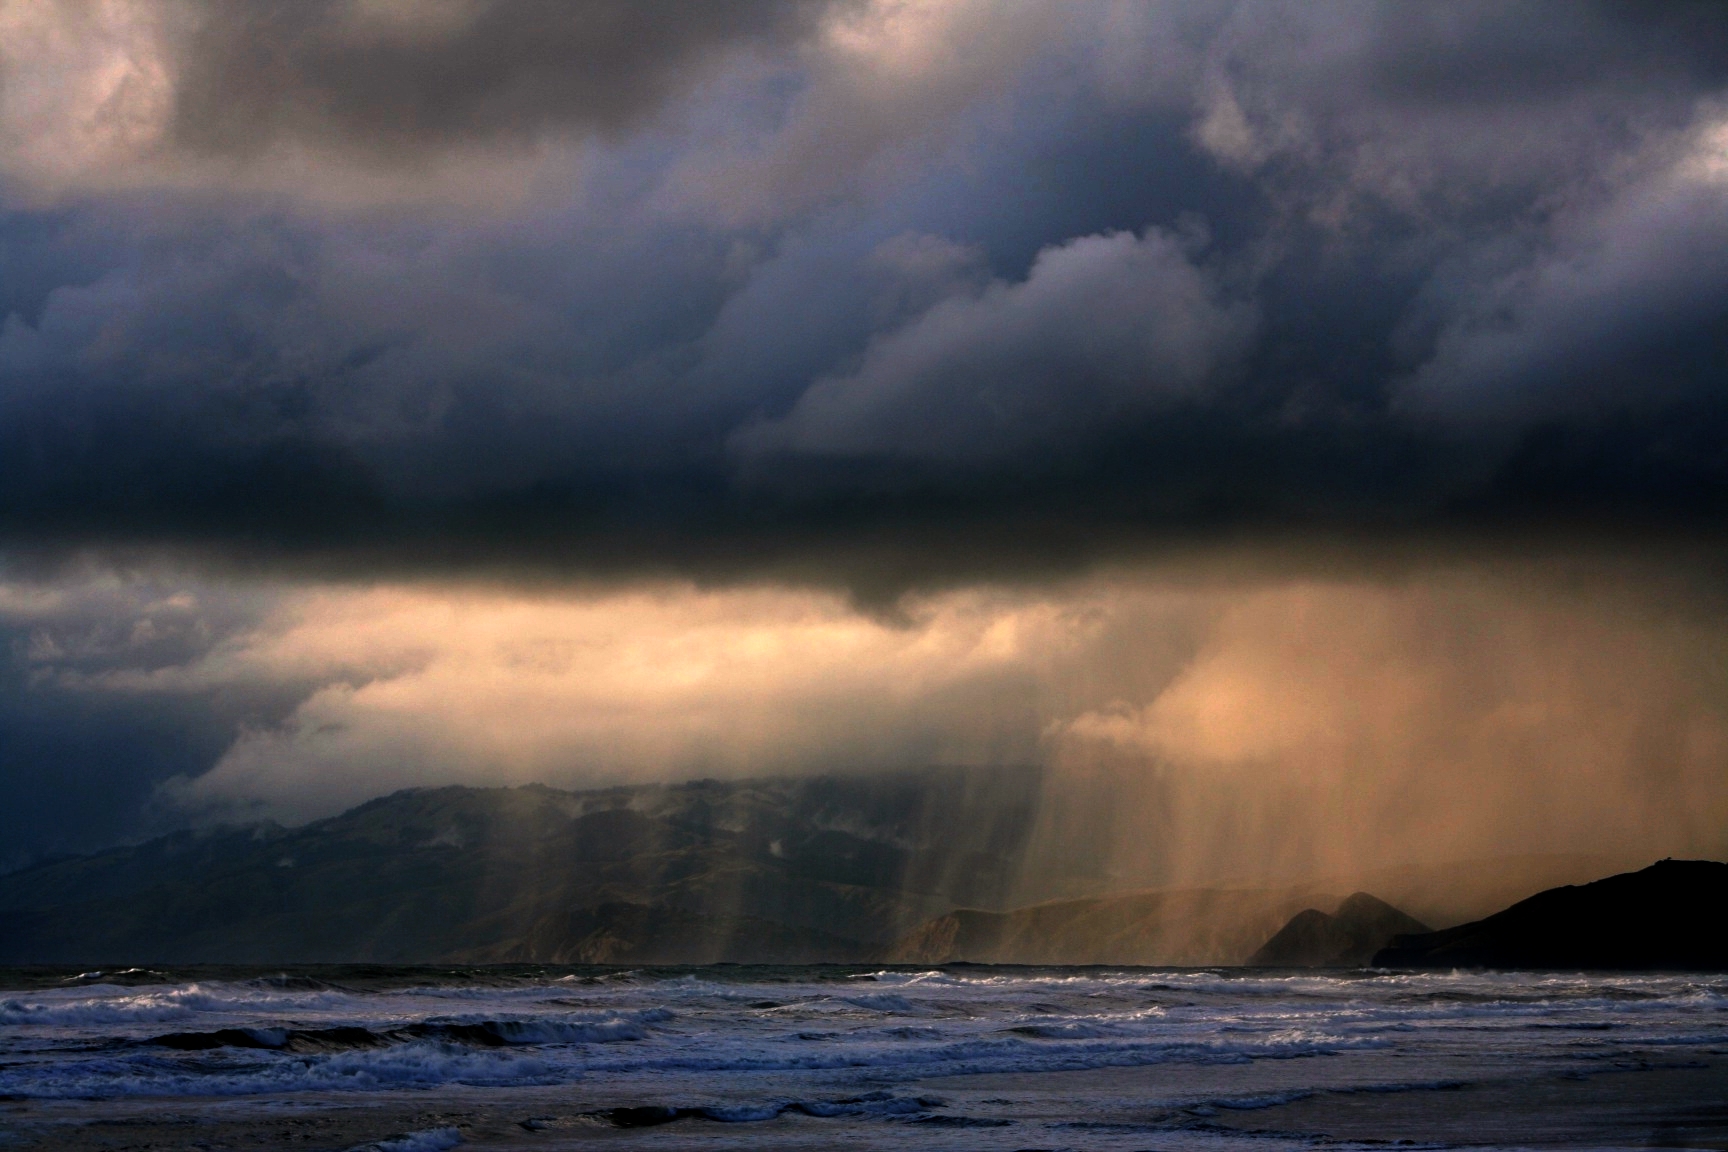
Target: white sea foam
(877, 1028)
(426, 1140)
(414, 1065)
(99, 1004)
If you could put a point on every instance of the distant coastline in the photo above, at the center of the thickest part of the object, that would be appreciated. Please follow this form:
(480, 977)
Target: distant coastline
(917, 869)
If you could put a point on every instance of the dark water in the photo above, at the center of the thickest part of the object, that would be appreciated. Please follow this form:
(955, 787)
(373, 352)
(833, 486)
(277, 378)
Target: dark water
(837, 1056)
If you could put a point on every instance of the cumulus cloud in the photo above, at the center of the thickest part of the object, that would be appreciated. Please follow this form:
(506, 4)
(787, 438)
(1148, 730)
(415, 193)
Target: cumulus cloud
(82, 765)
(1613, 312)
(842, 263)
(658, 684)
(452, 685)
(891, 88)
(885, 299)
(1102, 330)
(266, 95)
(1442, 113)
(387, 81)
(1212, 723)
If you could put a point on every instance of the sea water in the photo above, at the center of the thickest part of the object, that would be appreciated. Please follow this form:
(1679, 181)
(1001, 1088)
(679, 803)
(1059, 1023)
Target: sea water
(867, 1057)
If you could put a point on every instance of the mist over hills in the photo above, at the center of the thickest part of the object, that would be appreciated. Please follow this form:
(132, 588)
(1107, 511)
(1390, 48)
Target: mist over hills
(1185, 926)
(931, 866)
(793, 870)
(1347, 938)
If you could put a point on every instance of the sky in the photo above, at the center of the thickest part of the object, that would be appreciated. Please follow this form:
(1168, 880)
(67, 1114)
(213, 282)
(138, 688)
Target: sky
(1306, 421)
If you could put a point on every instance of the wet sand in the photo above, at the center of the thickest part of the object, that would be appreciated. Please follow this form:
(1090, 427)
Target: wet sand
(1678, 1099)
(1661, 1107)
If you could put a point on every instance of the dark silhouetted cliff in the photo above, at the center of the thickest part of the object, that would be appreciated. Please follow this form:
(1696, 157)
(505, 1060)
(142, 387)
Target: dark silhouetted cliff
(1348, 938)
(1673, 914)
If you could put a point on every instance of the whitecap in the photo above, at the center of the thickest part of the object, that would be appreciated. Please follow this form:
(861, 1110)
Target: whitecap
(426, 1140)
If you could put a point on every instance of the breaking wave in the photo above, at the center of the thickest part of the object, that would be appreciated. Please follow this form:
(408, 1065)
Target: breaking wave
(302, 1034)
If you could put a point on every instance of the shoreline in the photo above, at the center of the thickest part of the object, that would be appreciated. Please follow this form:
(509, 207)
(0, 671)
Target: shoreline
(1677, 1101)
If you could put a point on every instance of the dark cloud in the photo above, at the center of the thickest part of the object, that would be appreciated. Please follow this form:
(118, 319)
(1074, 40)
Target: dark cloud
(884, 298)
(82, 760)
(389, 83)
(1102, 330)
(1154, 274)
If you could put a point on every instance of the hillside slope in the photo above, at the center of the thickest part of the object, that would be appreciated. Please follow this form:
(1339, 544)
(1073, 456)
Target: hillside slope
(1669, 915)
(1203, 926)
(772, 870)
(1347, 938)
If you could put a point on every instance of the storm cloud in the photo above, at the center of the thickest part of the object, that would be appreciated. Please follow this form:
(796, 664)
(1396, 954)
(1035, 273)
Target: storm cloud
(868, 300)
(1157, 269)
(1103, 328)
(129, 93)
(390, 81)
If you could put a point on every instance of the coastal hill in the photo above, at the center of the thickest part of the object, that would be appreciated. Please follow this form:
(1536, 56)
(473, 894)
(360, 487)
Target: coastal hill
(1669, 915)
(774, 870)
(1203, 926)
(919, 867)
(1349, 938)
(925, 867)
(1237, 923)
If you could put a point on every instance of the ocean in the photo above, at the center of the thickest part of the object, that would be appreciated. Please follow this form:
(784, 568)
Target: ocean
(410, 1059)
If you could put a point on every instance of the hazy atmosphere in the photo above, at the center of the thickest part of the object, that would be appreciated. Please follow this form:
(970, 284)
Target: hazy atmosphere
(1089, 575)
(1296, 428)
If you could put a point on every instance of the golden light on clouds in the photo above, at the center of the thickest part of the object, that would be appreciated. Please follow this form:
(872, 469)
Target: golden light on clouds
(1340, 726)
(439, 685)
(1255, 727)
(98, 98)
(87, 88)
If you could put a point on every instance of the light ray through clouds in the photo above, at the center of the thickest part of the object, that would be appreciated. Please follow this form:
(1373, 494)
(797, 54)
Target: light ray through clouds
(1309, 409)
(1307, 724)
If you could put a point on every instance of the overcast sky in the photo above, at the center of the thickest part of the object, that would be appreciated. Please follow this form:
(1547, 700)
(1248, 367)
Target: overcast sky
(398, 393)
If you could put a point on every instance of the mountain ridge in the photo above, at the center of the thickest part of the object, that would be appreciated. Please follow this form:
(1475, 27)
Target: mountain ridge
(430, 874)
(926, 867)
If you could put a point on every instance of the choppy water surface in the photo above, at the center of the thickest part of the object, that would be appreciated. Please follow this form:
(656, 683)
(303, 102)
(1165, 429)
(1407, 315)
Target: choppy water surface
(855, 1047)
